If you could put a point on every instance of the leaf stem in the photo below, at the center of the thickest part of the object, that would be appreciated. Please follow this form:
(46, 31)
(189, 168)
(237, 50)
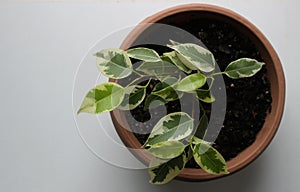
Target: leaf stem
(219, 73)
(202, 108)
(211, 83)
(135, 80)
(137, 73)
(139, 78)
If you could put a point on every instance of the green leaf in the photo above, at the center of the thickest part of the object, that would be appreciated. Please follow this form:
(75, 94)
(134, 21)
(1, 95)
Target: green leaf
(114, 63)
(144, 54)
(205, 95)
(134, 95)
(162, 171)
(191, 82)
(167, 149)
(243, 67)
(195, 56)
(161, 68)
(209, 159)
(176, 61)
(174, 126)
(104, 97)
(202, 126)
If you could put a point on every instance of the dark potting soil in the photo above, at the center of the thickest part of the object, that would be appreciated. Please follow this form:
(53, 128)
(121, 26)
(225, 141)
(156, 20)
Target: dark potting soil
(248, 99)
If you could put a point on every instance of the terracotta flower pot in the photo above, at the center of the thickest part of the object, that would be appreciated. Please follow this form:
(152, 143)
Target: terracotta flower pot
(183, 13)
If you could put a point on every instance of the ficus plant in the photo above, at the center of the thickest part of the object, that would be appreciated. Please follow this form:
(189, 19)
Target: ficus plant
(172, 141)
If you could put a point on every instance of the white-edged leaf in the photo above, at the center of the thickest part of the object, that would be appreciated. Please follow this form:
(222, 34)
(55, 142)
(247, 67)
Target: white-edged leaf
(243, 67)
(176, 61)
(168, 94)
(114, 63)
(187, 63)
(134, 95)
(167, 149)
(165, 89)
(205, 95)
(160, 68)
(143, 54)
(163, 171)
(153, 101)
(162, 93)
(104, 97)
(166, 59)
(174, 126)
(191, 82)
(165, 82)
(195, 56)
(174, 42)
(196, 140)
(209, 159)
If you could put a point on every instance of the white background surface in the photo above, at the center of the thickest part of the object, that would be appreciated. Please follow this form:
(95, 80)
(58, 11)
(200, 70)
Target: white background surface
(41, 46)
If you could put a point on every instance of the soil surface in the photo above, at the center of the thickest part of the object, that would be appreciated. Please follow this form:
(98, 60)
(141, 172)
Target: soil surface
(248, 99)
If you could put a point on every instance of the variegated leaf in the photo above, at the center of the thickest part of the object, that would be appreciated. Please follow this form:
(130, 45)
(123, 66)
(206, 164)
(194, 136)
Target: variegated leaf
(191, 83)
(167, 149)
(176, 61)
(243, 67)
(209, 159)
(168, 94)
(144, 54)
(195, 56)
(165, 82)
(196, 140)
(104, 97)
(205, 95)
(166, 59)
(174, 126)
(161, 68)
(153, 101)
(174, 42)
(114, 63)
(134, 95)
(165, 90)
(163, 171)
(186, 62)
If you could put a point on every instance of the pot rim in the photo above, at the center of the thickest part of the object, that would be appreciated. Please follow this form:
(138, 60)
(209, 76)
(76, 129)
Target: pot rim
(270, 127)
